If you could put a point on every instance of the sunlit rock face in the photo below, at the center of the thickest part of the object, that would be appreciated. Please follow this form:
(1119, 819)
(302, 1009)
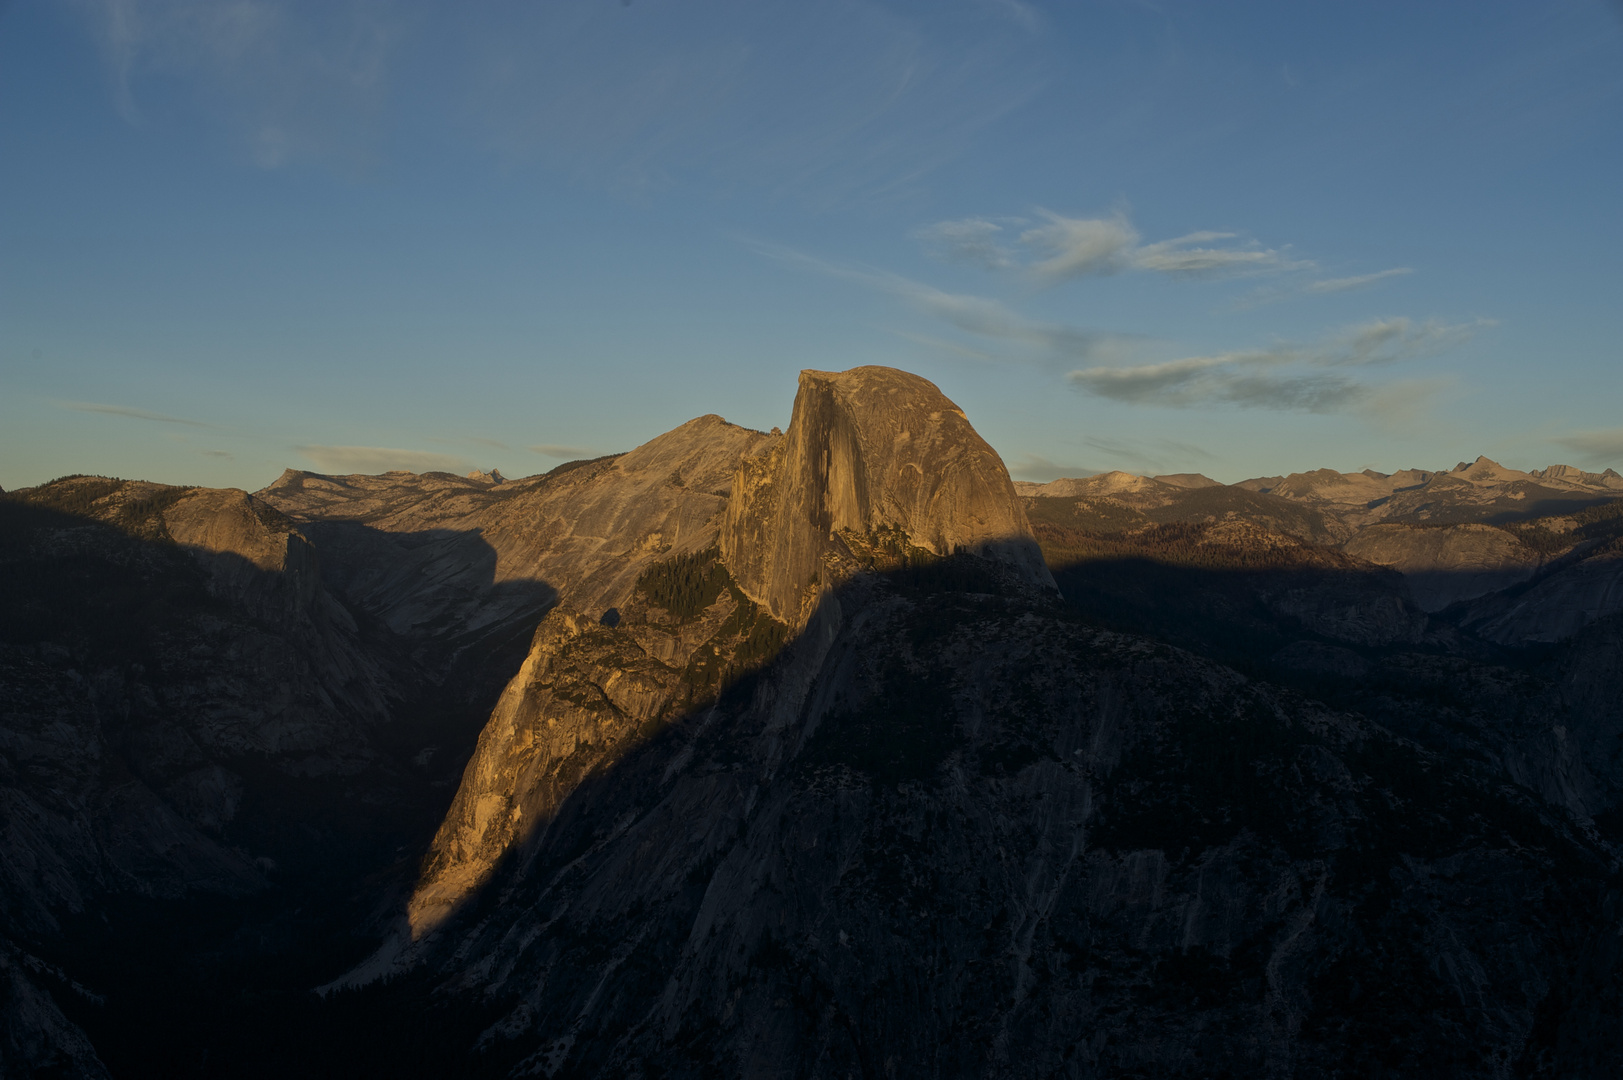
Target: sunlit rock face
(960, 832)
(802, 768)
(602, 664)
(871, 454)
(877, 466)
(447, 555)
(949, 830)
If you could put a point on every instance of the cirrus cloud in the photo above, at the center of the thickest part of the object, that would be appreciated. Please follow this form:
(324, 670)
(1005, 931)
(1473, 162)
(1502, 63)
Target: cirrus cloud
(981, 316)
(1324, 376)
(558, 450)
(1062, 248)
(1598, 448)
(379, 459)
(133, 414)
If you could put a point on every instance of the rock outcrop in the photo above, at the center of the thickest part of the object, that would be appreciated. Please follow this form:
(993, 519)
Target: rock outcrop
(254, 554)
(877, 466)
(875, 461)
(448, 555)
(1446, 564)
(1472, 491)
(1555, 606)
(1115, 483)
(963, 834)
(790, 760)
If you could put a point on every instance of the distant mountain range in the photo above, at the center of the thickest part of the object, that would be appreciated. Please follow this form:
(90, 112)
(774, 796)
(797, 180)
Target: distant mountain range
(827, 752)
(1458, 535)
(1476, 491)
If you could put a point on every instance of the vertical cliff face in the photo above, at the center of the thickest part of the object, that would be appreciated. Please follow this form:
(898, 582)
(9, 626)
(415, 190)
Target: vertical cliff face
(874, 458)
(877, 467)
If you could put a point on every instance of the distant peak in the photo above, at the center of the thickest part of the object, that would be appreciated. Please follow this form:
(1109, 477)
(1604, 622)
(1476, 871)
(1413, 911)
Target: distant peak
(1191, 480)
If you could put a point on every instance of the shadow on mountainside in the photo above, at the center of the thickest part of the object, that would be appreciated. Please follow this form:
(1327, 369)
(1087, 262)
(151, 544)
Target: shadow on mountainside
(212, 776)
(955, 830)
(427, 586)
(1549, 713)
(950, 829)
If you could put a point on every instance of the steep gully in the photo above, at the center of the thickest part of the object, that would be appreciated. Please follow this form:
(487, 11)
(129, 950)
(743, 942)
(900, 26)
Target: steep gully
(950, 826)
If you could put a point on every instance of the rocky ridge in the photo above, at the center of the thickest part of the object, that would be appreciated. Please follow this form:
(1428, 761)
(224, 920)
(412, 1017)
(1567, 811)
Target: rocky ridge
(1465, 535)
(877, 469)
(950, 829)
(801, 762)
(870, 454)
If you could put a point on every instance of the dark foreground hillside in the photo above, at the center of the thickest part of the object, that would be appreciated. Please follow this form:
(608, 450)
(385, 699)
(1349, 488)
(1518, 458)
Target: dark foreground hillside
(958, 832)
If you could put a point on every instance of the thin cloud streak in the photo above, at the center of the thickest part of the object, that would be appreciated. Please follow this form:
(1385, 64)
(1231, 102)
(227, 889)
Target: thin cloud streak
(1077, 247)
(379, 459)
(1040, 470)
(971, 240)
(977, 315)
(134, 414)
(1321, 287)
(1145, 461)
(1335, 285)
(1064, 248)
(291, 82)
(1602, 448)
(557, 450)
(856, 100)
(1320, 377)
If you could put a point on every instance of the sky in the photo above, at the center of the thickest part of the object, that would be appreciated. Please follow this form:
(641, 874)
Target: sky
(1241, 239)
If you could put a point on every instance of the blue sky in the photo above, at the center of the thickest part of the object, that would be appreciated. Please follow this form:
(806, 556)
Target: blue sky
(1240, 239)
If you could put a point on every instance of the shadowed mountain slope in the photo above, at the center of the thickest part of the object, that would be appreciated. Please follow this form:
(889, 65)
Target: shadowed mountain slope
(399, 544)
(791, 760)
(950, 828)
(877, 469)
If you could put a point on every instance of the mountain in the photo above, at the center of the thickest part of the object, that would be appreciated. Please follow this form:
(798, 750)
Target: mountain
(1480, 490)
(1454, 536)
(951, 825)
(827, 752)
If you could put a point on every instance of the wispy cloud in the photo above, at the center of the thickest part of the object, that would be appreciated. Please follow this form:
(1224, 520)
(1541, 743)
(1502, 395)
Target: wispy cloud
(1024, 15)
(377, 459)
(1346, 284)
(827, 101)
(970, 240)
(293, 81)
(1185, 256)
(956, 348)
(557, 450)
(1317, 287)
(1062, 248)
(1326, 376)
(1146, 456)
(223, 455)
(1602, 448)
(1040, 470)
(134, 414)
(1076, 247)
(983, 317)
